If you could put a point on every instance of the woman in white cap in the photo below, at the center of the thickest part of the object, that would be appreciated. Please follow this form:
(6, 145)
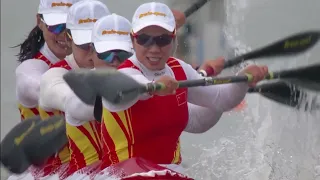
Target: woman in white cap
(150, 126)
(44, 46)
(54, 92)
(112, 45)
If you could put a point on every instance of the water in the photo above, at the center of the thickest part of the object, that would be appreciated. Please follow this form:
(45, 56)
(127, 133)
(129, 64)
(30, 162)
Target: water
(264, 141)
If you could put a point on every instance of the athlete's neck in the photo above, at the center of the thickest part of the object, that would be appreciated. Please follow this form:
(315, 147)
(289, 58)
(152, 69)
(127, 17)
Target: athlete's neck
(49, 54)
(72, 62)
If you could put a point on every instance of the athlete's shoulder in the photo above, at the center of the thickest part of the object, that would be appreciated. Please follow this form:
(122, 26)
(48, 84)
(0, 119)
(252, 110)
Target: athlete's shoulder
(32, 65)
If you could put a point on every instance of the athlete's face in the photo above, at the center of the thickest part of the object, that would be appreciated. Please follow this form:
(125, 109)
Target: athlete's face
(153, 46)
(54, 37)
(82, 54)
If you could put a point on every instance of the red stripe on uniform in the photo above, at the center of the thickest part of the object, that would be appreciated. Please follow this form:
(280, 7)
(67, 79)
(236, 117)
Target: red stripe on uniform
(117, 118)
(77, 159)
(129, 128)
(35, 111)
(110, 157)
(88, 135)
(93, 127)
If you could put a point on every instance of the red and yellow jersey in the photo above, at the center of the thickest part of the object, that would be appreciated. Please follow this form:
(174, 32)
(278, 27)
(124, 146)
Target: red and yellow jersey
(149, 129)
(84, 145)
(25, 112)
(84, 141)
(62, 157)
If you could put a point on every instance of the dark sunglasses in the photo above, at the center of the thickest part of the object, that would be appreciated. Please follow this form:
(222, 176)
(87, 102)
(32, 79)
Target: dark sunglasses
(109, 56)
(85, 47)
(147, 41)
(55, 29)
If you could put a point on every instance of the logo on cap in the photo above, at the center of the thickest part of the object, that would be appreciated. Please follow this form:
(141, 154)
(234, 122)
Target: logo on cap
(151, 13)
(61, 4)
(88, 20)
(105, 32)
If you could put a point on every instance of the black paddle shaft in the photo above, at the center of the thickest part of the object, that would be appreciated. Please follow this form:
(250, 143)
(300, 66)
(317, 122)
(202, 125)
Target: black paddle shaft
(195, 7)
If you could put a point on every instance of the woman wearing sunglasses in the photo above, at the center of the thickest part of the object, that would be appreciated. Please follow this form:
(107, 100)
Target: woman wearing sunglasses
(84, 143)
(44, 46)
(112, 45)
(151, 125)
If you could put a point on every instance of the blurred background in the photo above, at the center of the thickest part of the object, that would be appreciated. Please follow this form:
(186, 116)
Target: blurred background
(264, 140)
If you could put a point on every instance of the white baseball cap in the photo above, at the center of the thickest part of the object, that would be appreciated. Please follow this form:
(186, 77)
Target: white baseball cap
(153, 14)
(112, 32)
(81, 18)
(55, 11)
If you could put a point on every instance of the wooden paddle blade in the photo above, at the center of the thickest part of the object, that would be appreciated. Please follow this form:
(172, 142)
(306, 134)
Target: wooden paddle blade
(76, 81)
(280, 92)
(291, 45)
(47, 138)
(13, 155)
(114, 86)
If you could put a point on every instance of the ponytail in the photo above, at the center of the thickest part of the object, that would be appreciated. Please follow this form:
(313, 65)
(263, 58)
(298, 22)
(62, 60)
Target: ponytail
(32, 45)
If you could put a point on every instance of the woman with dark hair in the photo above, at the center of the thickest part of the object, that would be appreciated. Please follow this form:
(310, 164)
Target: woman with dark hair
(44, 46)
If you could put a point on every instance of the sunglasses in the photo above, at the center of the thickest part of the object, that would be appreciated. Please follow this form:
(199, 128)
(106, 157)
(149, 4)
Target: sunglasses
(109, 56)
(55, 29)
(147, 41)
(85, 47)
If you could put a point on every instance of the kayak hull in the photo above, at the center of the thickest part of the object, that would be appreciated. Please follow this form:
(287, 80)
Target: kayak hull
(132, 169)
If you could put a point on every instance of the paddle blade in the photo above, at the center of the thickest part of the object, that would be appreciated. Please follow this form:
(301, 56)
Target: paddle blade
(114, 86)
(280, 92)
(13, 155)
(307, 77)
(76, 81)
(291, 45)
(47, 138)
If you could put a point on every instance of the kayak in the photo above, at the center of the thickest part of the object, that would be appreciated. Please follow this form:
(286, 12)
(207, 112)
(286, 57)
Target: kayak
(131, 169)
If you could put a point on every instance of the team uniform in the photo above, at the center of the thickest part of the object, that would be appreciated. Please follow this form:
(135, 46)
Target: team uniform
(83, 136)
(28, 75)
(151, 126)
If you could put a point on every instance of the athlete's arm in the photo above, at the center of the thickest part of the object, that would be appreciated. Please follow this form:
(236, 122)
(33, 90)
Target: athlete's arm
(28, 75)
(77, 112)
(139, 77)
(219, 98)
(201, 119)
(54, 90)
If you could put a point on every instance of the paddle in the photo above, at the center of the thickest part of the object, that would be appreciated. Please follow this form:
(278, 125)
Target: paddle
(280, 91)
(97, 111)
(124, 89)
(13, 155)
(31, 142)
(307, 77)
(195, 7)
(291, 45)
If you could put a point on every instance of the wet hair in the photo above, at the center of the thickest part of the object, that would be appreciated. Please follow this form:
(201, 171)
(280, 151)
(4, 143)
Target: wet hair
(31, 46)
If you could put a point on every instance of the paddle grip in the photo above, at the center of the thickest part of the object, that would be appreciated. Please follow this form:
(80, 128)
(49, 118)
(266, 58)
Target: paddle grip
(152, 87)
